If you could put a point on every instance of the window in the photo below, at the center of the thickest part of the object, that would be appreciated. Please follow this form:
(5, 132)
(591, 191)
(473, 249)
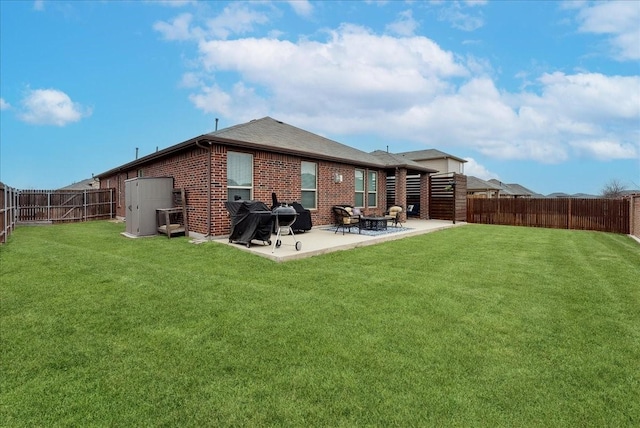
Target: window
(359, 184)
(309, 184)
(239, 176)
(372, 189)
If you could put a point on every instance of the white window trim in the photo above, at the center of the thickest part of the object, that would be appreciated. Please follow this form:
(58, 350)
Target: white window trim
(240, 187)
(364, 188)
(369, 192)
(315, 189)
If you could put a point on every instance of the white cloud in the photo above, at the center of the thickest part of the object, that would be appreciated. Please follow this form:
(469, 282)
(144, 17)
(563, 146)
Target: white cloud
(410, 89)
(38, 5)
(190, 80)
(51, 107)
(456, 14)
(240, 102)
(174, 3)
(302, 7)
(617, 19)
(236, 18)
(606, 149)
(177, 29)
(4, 105)
(404, 25)
(472, 167)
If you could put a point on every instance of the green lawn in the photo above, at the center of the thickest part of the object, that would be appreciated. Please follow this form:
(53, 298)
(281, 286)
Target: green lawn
(472, 326)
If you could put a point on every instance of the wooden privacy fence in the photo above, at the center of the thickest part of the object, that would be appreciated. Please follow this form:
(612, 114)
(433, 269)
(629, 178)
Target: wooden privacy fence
(447, 196)
(60, 206)
(605, 215)
(8, 203)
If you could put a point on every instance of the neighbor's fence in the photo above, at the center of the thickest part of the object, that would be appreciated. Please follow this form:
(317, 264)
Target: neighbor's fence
(605, 215)
(8, 204)
(62, 206)
(634, 216)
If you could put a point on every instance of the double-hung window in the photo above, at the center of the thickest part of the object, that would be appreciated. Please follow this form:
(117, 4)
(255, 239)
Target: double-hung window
(309, 184)
(239, 176)
(359, 186)
(372, 189)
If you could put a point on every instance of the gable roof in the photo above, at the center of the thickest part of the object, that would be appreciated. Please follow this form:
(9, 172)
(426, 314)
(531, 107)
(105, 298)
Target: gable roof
(477, 184)
(268, 134)
(391, 160)
(513, 189)
(89, 183)
(429, 154)
(523, 190)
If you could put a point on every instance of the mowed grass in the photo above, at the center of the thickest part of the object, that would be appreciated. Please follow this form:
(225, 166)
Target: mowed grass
(472, 326)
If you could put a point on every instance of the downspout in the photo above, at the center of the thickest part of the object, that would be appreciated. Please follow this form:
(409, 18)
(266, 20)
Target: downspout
(210, 147)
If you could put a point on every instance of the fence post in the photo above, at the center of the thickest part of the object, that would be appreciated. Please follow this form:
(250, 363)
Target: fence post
(569, 215)
(84, 203)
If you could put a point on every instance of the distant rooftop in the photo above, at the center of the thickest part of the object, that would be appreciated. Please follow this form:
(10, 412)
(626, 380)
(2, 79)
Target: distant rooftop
(429, 154)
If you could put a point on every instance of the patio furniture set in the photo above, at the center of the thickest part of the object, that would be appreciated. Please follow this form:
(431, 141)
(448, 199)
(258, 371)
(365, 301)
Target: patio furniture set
(346, 217)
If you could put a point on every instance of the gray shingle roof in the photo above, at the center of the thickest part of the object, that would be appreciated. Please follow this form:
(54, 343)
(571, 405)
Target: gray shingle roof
(429, 154)
(514, 189)
(393, 160)
(477, 184)
(271, 134)
(523, 190)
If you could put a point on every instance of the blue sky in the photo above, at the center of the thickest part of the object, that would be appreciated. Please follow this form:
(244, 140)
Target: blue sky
(545, 94)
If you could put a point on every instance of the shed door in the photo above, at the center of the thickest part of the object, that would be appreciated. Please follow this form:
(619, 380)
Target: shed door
(131, 204)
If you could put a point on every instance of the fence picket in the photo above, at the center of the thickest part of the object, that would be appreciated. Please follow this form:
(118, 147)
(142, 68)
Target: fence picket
(57, 206)
(606, 215)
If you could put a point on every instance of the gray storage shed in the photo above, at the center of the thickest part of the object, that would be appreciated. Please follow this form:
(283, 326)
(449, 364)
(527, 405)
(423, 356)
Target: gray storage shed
(143, 196)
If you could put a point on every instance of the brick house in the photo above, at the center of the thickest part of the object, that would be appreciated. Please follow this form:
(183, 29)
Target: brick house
(264, 156)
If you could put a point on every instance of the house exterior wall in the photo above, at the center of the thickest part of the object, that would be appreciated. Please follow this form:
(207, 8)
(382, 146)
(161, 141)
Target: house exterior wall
(482, 193)
(272, 173)
(443, 165)
(401, 192)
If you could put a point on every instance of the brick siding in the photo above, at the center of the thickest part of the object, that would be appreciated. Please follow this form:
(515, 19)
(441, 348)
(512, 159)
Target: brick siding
(272, 172)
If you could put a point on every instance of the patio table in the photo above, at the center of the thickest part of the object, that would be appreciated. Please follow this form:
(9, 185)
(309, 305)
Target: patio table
(373, 223)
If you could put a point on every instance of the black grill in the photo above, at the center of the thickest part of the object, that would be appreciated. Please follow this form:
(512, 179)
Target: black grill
(284, 216)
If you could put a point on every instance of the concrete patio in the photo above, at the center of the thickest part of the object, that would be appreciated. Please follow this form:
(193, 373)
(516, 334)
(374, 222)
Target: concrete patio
(319, 240)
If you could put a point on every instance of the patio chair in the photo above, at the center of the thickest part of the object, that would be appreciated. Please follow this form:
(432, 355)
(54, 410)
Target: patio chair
(344, 219)
(393, 215)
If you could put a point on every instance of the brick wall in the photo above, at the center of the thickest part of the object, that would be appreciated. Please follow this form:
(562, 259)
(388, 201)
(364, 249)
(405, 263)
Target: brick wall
(272, 172)
(401, 191)
(425, 185)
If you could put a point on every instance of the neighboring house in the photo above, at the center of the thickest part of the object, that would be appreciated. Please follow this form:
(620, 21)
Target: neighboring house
(435, 159)
(88, 184)
(514, 190)
(478, 188)
(255, 159)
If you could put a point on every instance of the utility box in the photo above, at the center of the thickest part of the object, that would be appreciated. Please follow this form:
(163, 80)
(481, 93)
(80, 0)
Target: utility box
(143, 196)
